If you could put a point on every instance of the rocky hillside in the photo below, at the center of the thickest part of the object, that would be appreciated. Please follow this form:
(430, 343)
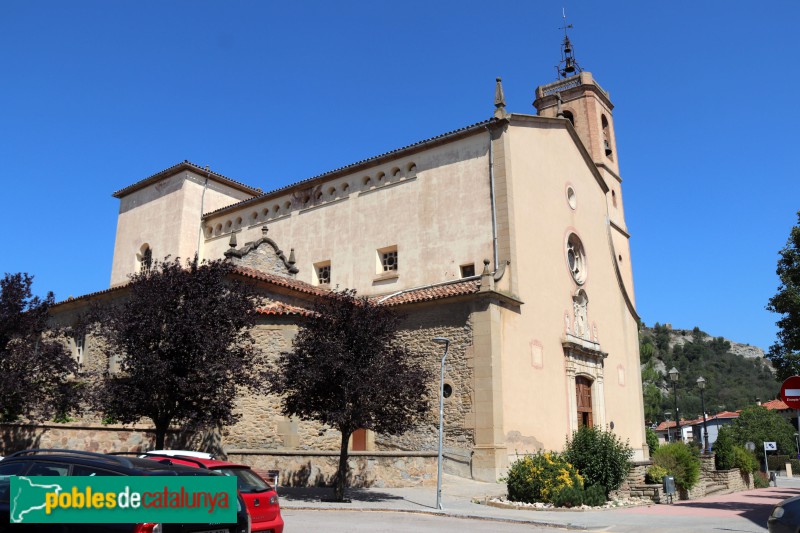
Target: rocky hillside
(682, 336)
(736, 374)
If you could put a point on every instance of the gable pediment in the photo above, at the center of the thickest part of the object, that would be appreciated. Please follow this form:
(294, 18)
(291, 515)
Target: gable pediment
(263, 255)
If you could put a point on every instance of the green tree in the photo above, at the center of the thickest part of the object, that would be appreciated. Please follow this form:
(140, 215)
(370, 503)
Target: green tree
(758, 424)
(35, 369)
(183, 334)
(785, 353)
(347, 371)
(600, 457)
(723, 449)
(652, 440)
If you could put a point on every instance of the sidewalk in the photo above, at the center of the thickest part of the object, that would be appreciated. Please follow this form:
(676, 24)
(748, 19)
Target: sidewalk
(745, 511)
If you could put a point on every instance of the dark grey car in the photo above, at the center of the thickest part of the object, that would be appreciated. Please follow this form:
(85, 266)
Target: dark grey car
(785, 517)
(51, 462)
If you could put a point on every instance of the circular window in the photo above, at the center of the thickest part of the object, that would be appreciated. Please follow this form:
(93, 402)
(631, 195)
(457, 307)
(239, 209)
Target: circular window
(576, 260)
(448, 390)
(571, 199)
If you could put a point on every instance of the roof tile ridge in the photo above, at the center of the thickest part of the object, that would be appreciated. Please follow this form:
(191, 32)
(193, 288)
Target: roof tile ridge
(476, 125)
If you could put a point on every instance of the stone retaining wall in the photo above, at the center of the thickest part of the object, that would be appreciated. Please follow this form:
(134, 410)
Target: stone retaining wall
(100, 438)
(711, 480)
(366, 469)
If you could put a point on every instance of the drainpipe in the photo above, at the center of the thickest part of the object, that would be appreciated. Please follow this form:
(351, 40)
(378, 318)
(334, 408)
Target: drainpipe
(492, 197)
(202, 203)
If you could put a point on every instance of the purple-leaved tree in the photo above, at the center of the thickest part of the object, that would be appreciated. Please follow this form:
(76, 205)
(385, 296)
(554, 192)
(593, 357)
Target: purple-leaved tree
(346, 370)
(183, 336)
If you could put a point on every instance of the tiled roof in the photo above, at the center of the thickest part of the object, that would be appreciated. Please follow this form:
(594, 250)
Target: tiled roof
(353, 166)
(727, 414)
(426, 294)
(668, 424)
(280, 308)
(186, 165)
(282, 281)
(89, 295)
(775, 405)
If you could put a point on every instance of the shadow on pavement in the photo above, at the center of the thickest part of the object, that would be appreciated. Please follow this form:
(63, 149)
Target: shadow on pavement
(755, 512)
(316, 494)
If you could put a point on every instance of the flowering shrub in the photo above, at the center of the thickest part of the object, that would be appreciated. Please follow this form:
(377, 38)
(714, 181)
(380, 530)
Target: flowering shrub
(540, 477)
(655, 474)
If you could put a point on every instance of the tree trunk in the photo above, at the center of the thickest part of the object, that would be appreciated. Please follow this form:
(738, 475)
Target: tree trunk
(341, 473)
(161, 434)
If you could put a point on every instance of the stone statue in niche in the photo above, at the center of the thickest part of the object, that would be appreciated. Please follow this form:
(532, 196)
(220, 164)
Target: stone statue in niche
(580, 303)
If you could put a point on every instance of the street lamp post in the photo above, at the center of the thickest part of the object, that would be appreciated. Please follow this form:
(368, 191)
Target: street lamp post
(701, 384)
(446, 342)
(673, 376)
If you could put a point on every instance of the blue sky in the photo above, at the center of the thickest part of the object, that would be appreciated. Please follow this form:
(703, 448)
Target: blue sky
(97, 95)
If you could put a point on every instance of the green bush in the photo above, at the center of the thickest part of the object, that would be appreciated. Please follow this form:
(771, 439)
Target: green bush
(760, 480)
(600, 457)
(723, 448)
(652, 440)
(744, 460)
(655, 474)
(538, 478)
(595, 496)
(681, 462)
(778, 462)
(569, 497)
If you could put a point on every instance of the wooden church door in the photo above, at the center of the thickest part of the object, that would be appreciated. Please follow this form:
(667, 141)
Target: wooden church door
(583, 391)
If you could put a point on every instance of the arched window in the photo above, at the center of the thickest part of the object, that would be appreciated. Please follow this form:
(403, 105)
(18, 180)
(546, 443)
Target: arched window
(606, 135)
(569, 116)
(145, 258)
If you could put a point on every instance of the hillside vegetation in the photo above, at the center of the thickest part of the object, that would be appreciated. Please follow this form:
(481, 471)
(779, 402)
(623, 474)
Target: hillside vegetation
(733, 380)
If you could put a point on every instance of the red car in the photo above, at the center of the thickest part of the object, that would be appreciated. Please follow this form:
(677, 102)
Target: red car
(260, 498)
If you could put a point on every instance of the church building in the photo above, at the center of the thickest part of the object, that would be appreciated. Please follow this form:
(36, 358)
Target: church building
(507, 237)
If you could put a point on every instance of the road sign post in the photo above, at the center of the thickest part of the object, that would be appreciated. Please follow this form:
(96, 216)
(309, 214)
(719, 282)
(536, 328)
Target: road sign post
(768, 447)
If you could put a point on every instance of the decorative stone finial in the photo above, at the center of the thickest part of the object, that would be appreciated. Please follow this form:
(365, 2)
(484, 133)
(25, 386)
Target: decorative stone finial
(292, 260)
(559, 111)
(499, 100)
(485, 268)
(232, 242)
(264, 230)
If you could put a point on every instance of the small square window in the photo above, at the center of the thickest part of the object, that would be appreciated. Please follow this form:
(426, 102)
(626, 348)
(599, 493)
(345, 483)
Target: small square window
(389, 260)
(322, 273)
(467, 270)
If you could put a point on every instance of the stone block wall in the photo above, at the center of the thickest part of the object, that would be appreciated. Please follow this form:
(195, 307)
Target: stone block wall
(366, 469)
(711, 481)
(101, 438)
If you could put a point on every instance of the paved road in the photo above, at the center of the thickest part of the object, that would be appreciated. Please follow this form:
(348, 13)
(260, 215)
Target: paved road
(380, 522)
(385, 509)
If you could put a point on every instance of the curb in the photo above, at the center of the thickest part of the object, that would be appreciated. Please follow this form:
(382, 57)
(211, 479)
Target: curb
(446, 514)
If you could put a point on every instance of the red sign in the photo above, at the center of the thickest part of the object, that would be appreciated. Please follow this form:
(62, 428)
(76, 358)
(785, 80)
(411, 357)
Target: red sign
(790, 392)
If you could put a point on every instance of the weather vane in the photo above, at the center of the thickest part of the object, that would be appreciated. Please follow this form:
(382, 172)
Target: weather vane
(568, 66)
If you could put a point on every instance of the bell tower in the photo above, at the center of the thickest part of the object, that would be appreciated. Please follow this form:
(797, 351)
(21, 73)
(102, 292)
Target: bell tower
(576, 96)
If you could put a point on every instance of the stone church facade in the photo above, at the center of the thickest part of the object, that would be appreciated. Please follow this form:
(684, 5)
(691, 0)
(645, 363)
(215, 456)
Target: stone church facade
(507, 236)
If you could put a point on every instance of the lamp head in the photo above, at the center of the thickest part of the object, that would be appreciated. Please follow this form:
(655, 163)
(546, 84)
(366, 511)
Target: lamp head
(701, 383)
(673, 374)
(441, 340)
